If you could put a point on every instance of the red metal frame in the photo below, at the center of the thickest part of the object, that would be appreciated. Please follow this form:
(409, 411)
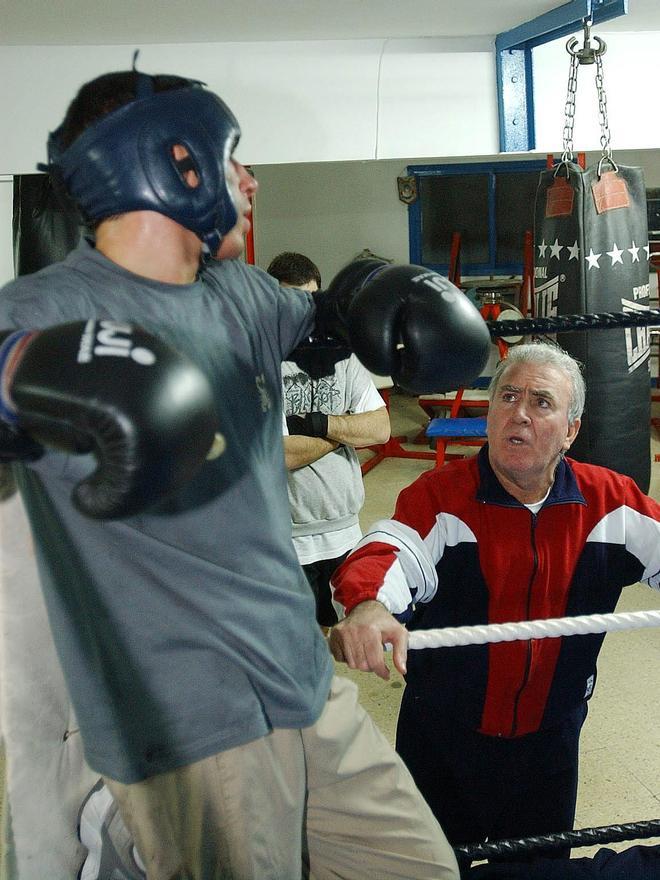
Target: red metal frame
(454, 274)
(249, 235)
(249, 246)
(526, 295)
(441, 443)
(490, 311)
(393, 447)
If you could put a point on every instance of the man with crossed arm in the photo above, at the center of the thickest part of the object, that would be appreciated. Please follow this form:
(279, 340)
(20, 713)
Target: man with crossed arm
(331, 405)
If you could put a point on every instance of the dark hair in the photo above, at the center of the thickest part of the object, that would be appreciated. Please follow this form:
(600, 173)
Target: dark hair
(105, 94)
(294, 269)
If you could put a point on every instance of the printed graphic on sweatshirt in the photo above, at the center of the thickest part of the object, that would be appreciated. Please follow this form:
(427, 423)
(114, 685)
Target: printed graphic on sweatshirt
(303, 394)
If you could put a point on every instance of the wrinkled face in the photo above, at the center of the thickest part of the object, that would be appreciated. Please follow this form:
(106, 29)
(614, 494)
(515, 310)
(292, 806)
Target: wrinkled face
(242, 186)
(528, 426)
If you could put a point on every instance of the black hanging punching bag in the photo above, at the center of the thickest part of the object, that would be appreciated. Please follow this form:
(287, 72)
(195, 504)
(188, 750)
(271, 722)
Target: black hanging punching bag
(592, 255)
(46, 224)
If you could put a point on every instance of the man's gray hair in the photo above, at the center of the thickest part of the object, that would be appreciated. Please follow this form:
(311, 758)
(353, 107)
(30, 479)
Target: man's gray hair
(550, 354)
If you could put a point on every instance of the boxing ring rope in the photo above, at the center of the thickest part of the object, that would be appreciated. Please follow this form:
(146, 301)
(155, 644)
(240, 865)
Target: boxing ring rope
(573, 323)
(552, 628)
(450, 637)
(581, 837)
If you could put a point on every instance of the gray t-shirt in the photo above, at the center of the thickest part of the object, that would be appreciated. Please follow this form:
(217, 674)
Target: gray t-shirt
(328, 494)
(188, 629)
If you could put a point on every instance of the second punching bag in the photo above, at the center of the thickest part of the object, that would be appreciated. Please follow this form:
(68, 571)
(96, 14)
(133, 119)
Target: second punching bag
(47, 224)
(592, 255)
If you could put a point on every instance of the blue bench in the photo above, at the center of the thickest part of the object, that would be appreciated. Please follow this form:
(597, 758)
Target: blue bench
(463, 432)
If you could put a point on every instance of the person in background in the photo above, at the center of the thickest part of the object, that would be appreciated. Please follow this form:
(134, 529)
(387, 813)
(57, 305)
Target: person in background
(295, 270)
(517, 532)
(331, 406)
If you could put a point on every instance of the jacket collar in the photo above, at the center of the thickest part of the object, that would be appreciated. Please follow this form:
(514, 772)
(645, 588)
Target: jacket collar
(564, 489)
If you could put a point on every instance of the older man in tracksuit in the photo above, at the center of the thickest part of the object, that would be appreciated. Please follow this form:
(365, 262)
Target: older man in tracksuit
(518, 532)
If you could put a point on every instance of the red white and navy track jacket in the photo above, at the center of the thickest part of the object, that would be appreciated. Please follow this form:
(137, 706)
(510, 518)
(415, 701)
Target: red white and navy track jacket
(461, 551)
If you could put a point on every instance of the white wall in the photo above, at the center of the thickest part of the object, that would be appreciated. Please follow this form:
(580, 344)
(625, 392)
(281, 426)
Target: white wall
(301, 101)
(346, 99)
(437, 98)
(330, 211)
(630, 68)
(333, 210)
(347, 102)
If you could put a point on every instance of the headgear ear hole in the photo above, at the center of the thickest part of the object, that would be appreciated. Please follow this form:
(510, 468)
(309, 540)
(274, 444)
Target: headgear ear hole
(132, 147)
(186, 166)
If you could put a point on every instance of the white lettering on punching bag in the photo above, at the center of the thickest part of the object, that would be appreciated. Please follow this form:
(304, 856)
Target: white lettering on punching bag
(547, 298)
(638, 339)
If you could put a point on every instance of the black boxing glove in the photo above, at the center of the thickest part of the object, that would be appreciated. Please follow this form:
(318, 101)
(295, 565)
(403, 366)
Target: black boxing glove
(333, 304)
(313, 424)
(408, 323)
(145, 411)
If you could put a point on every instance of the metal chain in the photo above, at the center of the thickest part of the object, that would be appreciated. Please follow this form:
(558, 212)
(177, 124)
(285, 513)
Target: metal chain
(586, 55)
(569, 111)
(606, 149)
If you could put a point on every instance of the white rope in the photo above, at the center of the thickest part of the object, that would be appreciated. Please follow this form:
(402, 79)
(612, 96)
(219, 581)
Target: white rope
(452, 636)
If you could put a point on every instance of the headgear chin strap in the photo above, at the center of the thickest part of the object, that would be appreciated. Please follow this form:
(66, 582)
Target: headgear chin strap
(124, 162)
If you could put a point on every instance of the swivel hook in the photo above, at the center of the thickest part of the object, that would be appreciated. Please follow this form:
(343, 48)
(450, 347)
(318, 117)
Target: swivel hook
(588, 53)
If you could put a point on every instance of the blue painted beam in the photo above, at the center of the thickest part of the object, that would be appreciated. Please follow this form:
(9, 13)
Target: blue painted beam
(515, 100)
(515, 81)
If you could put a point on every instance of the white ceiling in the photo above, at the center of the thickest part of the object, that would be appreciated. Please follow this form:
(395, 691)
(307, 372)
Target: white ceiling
(136, 22)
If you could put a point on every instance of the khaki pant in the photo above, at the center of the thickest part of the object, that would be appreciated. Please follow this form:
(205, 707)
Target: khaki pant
(330, 801)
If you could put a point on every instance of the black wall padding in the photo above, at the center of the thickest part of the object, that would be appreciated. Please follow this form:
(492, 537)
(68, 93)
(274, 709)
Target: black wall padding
(46, 225)
(591, 255)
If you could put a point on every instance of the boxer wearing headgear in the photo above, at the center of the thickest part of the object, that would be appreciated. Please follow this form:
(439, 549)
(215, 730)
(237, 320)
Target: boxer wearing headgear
(203, 689)
(124, 161)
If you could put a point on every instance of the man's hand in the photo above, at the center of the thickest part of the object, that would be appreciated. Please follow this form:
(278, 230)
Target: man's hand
(349, 429)
(312, 424)
(358, 639)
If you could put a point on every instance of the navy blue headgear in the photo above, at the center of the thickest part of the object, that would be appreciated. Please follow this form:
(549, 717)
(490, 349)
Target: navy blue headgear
(124, 162)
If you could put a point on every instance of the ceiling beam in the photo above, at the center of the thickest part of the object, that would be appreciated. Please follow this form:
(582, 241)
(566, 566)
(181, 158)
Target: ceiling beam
(515, 77)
